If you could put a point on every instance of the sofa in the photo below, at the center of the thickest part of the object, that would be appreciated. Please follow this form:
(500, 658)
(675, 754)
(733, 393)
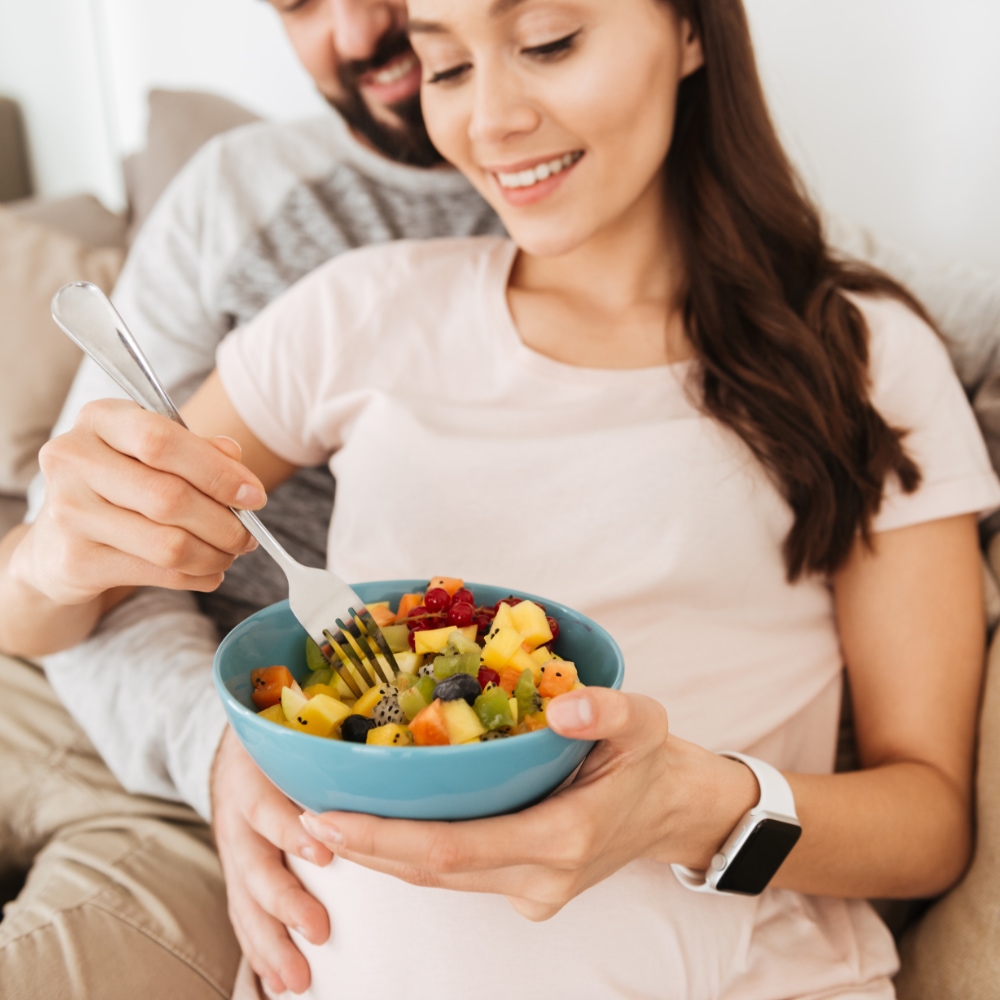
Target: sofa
(950, 947)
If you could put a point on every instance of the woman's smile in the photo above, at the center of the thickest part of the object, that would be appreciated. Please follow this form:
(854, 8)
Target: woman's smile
(532, 180)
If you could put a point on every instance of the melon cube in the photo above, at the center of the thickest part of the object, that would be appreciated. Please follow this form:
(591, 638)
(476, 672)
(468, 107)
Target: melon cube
(429, 727)
(558, 677)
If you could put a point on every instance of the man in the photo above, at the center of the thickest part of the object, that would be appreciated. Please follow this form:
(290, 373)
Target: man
(125, 896)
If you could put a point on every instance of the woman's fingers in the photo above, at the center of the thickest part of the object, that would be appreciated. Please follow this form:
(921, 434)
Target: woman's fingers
(166, 446)
(254, 825)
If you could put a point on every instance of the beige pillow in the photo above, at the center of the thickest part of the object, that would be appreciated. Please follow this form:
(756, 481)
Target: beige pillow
(180, 122)
(953, 952)
(37, 360)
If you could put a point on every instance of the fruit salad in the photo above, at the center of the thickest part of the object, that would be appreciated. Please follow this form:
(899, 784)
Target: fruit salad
(467, 673)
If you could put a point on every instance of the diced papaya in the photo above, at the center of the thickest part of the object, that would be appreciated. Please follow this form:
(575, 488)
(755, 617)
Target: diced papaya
(381, 613)
(429, 727)
(266, 684)
(407, 603)
(509, 676)
(449, 583)
(558, 677)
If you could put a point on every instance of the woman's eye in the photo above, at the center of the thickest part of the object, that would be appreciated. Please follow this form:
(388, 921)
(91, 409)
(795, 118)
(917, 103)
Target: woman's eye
(553, 49)
(446, 75)
(289, 6)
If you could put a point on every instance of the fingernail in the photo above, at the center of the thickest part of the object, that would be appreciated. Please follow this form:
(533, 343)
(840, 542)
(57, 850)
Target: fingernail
(239, 447)
(570, 713)
(250, 496)
(322, 830)
(309, 853)
(252, 546)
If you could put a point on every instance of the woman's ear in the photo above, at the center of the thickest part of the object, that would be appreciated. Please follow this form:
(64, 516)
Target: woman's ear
(692, 56)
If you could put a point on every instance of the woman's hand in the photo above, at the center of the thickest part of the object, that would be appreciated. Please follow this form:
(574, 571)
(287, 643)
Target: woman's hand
(641, 793)
(134, 499)
(254, 825)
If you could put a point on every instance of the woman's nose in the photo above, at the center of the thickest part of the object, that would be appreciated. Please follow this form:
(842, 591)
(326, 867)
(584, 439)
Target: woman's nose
(502, 107)
(359, 25)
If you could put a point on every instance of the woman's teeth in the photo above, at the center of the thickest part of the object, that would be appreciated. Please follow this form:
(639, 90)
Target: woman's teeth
(396, 70)
(525, 178)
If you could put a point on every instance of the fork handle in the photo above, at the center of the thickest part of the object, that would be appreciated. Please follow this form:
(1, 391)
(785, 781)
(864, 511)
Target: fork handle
(88, 318)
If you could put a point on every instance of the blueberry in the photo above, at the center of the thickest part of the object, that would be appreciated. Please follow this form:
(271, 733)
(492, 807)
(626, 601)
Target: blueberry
(355, 728)
(458, 686)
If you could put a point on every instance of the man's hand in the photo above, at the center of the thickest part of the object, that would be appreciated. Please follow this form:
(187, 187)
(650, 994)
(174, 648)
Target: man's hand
(254, 825)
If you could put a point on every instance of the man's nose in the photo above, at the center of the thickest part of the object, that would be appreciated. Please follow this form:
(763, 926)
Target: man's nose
(358, 25)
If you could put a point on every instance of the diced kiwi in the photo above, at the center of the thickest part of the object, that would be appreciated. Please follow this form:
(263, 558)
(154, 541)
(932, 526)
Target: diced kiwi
(528, 698)
(493, 708)
(315, 660)
(323, 676)
(398, 637)
(412, 701)
(454, 663)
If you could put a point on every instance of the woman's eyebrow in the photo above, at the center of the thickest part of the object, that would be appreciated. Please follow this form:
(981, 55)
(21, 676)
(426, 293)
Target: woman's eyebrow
(496, 9)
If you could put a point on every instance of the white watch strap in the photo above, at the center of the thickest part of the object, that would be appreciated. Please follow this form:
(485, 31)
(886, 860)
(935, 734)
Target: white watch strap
(775, 797)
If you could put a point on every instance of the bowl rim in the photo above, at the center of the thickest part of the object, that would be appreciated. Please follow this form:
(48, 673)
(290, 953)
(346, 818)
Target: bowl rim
(232, 703)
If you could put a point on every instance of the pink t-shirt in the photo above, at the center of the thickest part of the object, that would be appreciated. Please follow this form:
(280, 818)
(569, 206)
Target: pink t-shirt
(459, 450)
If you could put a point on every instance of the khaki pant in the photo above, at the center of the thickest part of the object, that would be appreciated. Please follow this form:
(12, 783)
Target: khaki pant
(124, 897)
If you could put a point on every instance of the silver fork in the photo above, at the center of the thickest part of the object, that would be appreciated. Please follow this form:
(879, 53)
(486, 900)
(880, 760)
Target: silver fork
(318, 598)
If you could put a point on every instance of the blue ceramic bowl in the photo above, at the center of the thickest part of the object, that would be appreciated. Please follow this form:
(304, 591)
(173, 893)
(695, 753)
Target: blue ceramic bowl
(456, 782)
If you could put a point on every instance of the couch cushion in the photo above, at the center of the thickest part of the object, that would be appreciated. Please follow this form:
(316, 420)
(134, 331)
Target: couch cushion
(953, 952)
(37, 361)
(81, 216)
(180, 122)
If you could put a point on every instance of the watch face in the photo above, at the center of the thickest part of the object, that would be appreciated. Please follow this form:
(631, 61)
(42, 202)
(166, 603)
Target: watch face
(759, 857)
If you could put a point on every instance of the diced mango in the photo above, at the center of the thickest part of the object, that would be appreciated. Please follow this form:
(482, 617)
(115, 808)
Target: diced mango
(462, 722)
(274, 714)
(525, 661)
(504, 619)
(432, 640)
(529, 619)
(321, 715)
(392, 734)
(500, 646)
(365, 704)
(327, 689)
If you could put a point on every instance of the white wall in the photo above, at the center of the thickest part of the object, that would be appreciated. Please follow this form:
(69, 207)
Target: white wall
(891, 107)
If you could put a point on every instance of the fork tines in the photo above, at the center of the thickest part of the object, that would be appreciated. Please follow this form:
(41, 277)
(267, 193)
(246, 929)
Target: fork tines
(364, 655)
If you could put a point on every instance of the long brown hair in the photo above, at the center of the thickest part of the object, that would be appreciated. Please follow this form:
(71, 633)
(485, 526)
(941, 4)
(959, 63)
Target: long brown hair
(783, 353)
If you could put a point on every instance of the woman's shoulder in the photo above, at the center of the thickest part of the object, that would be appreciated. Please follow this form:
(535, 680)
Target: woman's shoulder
(904, 350)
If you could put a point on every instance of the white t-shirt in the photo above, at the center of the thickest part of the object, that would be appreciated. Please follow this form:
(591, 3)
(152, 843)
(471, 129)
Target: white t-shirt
(459, 450)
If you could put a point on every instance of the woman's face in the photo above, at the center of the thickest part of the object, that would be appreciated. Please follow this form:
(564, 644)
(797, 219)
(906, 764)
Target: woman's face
(560, 112)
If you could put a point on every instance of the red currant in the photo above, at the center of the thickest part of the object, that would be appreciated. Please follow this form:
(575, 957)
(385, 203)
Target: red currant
(437, 599)
(463, 596)
(484, 622)
(416, 612)
(554, 626)
(460, 614)
(487, 676)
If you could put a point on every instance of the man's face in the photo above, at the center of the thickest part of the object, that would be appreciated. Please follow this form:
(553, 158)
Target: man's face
(359, 57)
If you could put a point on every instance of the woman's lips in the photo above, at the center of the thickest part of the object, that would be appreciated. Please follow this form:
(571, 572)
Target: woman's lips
(526, 183)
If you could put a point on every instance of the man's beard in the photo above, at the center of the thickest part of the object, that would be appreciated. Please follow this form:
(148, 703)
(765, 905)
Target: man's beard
(407, 140)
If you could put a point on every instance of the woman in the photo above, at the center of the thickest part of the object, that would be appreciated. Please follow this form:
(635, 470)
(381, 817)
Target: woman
(665, 403)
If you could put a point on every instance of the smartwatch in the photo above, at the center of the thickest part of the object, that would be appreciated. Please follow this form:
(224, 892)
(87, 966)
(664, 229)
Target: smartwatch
(762, 840)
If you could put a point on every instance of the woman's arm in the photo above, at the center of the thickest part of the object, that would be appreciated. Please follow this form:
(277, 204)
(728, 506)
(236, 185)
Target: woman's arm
(910, 615)
(910, 619)
(132, 499)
